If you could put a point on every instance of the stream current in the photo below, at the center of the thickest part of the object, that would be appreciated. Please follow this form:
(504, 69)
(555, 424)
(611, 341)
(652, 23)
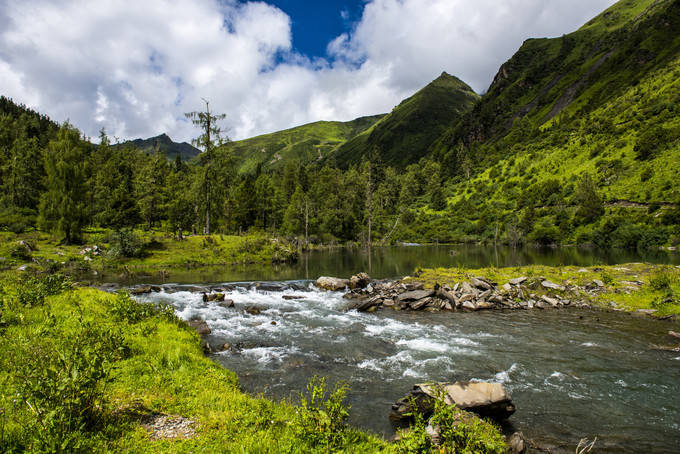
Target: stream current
(572, 373)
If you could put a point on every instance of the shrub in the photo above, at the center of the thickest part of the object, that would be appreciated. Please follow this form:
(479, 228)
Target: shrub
(321, 417)
(125, 243)
(126, 309)
(661, 281)
(58, 375)
(459, 432)
(32, 291)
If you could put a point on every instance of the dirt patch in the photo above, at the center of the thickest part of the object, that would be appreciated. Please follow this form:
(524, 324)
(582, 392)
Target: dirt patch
(166, 427)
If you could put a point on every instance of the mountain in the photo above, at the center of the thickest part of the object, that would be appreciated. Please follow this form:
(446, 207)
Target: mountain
(603, 101)
(165, 144)
(306, 143)
(405, 135)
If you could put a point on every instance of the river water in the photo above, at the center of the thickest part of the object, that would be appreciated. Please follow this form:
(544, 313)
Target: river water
(571, 373)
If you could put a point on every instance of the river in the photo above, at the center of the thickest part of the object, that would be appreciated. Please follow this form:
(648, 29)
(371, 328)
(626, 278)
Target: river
(572, 373)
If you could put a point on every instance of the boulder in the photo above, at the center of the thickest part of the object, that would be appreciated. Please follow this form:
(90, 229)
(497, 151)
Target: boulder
(419, 304)
(293, 297)
(516, 443)
(227, 303)
(469, 305)
(598, 283)
(253, 310)
(674, 334)
(480, 283)
(415, 295)
(360, 280)
(200, 326)
(552, 301)
(551, 285)
(490, 400)
(140, 290)
(332, 283)
(518, 280)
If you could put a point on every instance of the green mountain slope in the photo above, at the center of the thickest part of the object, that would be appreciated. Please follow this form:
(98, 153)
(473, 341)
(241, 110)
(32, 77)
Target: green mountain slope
(602, 101)
(405, 135)
(306, 143)
(165, 144)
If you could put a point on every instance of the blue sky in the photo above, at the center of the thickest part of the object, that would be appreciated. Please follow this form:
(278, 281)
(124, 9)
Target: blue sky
(316, 23)
(135, 67)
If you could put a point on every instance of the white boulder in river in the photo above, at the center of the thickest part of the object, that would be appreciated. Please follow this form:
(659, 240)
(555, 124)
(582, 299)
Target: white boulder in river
(490, 400)
(332, 283)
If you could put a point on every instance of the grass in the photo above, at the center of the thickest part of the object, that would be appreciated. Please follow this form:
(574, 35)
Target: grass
(160, 251)
(631, 286)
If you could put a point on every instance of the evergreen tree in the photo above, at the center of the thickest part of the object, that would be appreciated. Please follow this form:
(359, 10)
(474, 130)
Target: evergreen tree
(589, 202)
(208, 140)
(63, 208)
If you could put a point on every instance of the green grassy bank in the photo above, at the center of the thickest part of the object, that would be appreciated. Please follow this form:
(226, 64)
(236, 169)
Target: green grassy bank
(139, 251)
(82, 370)
(629, 287)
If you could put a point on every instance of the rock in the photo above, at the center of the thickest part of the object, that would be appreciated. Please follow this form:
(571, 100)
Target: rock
(87, 259)
(22, 268)
(271, 286)
(227, 303)
(433, 433)
(369, 288)
(516, 443)
(466, 297)
(598, 283)
(415, 295)
(200, 326)
(481, 284)
(485, 399)
(465, 287)
(552, 285)
(360, 280)
(484, 305)
(253, 310)
(293, 297)
(414, 286)
(552, 301)
(518, 280)
(156, 289)
(540, 305)
(419, 304)
(447, 296)
(507, 287)
(332, 283)
(141, 290)
(469, 305)
(366, 306)
(674, 334)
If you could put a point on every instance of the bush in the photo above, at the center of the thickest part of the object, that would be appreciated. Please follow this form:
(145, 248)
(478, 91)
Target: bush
(459, 432)
(58, 376)
(661, 281)
(127, 310)
(125, 243)
(32, 291)
(321, 417)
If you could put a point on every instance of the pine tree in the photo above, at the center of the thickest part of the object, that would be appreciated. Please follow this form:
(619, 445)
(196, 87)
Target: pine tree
(208, 140)
(63, 208)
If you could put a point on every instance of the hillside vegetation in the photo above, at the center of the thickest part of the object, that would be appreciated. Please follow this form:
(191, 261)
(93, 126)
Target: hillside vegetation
(403, 136)
(305, 144)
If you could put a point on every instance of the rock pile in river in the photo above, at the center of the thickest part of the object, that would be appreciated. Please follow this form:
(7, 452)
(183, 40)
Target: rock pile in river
(476, 294)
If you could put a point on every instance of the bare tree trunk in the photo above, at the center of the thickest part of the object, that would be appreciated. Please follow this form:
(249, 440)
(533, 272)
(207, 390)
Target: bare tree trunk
(306, 224)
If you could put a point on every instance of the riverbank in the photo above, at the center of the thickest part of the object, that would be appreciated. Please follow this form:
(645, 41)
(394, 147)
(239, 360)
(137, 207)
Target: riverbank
(82, 370)
(146, 252)
(644, 289)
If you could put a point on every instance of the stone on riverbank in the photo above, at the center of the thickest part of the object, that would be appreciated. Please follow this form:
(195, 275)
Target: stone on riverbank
(200, 326)
(490, 400)
(360, 280)
(332, 283)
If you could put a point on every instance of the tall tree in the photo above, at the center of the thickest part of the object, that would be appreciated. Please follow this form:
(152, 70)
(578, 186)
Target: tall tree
(211, 137)
(63, 207)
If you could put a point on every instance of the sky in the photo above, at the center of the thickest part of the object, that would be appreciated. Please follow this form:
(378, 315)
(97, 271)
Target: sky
(135, 67)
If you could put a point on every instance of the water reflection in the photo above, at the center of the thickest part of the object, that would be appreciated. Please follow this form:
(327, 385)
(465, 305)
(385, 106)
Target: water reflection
(398, 261)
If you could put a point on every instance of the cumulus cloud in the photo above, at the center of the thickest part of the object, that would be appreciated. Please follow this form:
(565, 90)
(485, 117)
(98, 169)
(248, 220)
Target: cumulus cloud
(136, 67)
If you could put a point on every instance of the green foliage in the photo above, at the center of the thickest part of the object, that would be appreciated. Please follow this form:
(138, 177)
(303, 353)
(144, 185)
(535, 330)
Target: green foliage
(126, 309)
(459, 432)
(31, 291)
(125, 243)
(321, 417)
(59, 376)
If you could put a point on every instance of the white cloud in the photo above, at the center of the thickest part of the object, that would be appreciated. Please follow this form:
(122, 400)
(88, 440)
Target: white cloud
(136, 67)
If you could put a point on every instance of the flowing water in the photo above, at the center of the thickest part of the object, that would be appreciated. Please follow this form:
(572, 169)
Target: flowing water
(571, 373)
